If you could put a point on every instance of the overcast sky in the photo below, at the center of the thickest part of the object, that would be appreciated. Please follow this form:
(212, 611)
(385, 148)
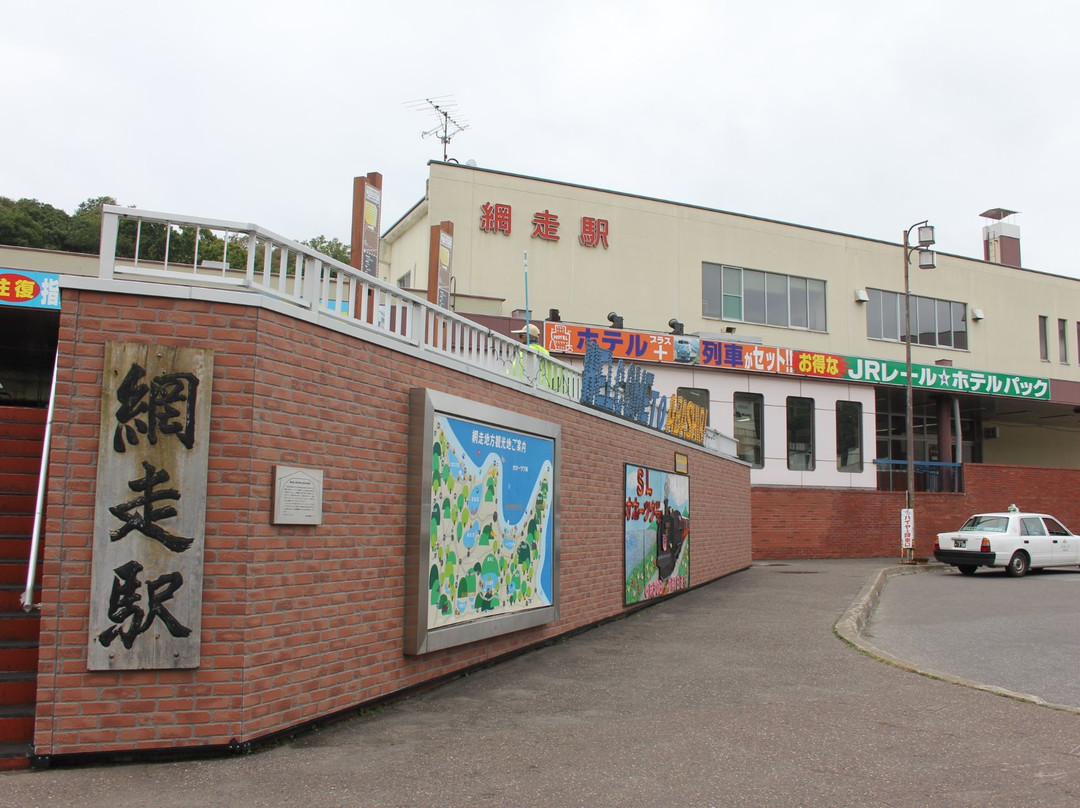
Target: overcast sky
(861, 117)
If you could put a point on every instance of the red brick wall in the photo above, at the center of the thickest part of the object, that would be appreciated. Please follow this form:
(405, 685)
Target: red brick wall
(300, 622)
(844, 523)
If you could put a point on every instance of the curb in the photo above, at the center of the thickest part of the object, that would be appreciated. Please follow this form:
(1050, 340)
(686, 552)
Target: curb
(851, 623)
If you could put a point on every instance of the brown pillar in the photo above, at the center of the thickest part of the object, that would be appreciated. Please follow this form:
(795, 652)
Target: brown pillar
(945, 439)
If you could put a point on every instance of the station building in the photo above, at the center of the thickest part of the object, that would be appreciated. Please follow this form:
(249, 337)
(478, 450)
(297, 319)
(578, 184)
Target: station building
(285, 613)
(794, 336)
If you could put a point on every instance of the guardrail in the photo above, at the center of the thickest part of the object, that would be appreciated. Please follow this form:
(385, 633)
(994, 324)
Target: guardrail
(929, 476)
(201, 251)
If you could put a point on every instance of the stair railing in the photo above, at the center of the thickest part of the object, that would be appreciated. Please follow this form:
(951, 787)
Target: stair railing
(27, 597)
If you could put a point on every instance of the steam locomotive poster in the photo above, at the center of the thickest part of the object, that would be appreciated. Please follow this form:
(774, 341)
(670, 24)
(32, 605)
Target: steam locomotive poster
(657, 533)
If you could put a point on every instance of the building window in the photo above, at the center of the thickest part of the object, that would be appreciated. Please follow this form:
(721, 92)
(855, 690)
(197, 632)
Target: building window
(938, 323)
(695, 395)
(749, 408)
(849, 455)
(766, 298)
(800, 433)
(1063, 341)
(1044, 347)
(404, 281)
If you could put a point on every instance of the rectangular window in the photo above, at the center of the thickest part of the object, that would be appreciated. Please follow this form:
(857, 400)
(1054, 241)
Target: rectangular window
(927, 320)
(1044, 347)
(849, 436)
(753, 296)
(800, 433)
(695, 395)
(890, 316)
(732, 292)
(776, 299)
(938, 323)
(1063, 341)
(816, 294)
(944, 324)
(711, 290)
(766, 298)
(959, 326)
(404, 281)
(749, 408)
(799, 303)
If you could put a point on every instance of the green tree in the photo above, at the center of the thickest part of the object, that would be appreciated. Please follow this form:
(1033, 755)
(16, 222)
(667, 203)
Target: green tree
(29, 223)
(83, 233)
(332, 247)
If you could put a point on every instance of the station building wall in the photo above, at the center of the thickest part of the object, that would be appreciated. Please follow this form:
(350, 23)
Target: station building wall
(834, 523)
(304, 622)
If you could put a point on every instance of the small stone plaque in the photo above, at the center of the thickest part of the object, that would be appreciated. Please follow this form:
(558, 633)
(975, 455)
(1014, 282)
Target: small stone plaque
(298, 496)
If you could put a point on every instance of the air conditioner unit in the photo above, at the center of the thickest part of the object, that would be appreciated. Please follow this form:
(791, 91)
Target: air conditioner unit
(991, 432)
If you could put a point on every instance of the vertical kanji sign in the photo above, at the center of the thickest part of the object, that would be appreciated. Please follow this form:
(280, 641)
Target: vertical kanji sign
(150, 508)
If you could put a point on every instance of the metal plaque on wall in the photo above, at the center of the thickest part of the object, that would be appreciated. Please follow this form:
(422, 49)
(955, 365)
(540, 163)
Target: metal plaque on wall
(150, 508)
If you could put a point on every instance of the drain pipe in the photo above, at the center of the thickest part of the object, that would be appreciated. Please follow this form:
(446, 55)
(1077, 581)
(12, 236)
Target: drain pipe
(27, 597)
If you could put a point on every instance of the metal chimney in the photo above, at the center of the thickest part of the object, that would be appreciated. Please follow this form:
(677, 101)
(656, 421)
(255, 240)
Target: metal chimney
(1001, 240)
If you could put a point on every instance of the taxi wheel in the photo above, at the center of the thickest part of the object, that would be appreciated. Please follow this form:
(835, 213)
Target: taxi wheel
(1018, 564)
(967, 569)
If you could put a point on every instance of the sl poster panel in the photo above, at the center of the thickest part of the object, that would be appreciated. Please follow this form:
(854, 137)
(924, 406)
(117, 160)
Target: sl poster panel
(656, 533)
(481, 554)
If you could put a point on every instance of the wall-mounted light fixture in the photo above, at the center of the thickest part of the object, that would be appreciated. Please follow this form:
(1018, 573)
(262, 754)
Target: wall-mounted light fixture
(675, 326)
(615, 320)
(861, 296)
(553, 316)
(977, 314)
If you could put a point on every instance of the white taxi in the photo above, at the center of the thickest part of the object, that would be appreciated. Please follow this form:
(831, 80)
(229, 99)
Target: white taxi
(1014, 540)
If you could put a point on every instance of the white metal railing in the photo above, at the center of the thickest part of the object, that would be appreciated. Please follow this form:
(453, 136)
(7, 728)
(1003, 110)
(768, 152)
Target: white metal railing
(200, 251)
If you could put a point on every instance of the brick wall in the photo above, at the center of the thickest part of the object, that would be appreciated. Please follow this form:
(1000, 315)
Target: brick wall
(301, 622)
(846, 523)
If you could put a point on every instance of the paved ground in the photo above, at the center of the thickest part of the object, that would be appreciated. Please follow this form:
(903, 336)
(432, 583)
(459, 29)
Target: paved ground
(1021, 635)
(735, 694)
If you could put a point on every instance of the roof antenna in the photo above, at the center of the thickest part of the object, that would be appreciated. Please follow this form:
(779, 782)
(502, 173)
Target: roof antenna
(449, 119)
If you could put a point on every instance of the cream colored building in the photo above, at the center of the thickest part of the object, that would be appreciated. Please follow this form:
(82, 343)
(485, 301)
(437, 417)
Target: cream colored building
(1007, 339)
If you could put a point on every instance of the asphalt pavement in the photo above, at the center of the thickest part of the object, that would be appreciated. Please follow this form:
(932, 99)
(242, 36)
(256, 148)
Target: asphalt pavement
(738, 693)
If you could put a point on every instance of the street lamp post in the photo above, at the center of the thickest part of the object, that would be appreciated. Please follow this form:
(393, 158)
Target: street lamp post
(926, 261)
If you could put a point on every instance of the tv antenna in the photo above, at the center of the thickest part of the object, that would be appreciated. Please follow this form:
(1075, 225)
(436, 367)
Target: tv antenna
(449, 119)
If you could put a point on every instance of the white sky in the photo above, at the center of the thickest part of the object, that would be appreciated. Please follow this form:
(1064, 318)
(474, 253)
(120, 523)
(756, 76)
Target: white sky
(862, 117)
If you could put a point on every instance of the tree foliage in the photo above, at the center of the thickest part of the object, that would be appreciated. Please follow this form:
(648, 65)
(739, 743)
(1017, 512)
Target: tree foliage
(332, 247)
(30, 223)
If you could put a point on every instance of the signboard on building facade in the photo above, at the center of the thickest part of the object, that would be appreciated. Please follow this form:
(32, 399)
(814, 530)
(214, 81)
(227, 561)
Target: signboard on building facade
(37, 290)
(656, 533)
(641, 346)
(440, 256)
(481, 558)
(150, 508)
(498, 217)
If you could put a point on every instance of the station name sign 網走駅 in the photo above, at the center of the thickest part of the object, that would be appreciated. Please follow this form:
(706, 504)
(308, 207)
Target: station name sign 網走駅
(677, 349)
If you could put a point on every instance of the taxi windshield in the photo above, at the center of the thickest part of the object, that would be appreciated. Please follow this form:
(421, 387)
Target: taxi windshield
(988, 524)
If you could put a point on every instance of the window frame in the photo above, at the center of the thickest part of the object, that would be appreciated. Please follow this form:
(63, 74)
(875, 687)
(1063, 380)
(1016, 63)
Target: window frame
(746, 295)
(885, 320)
(841, 427)
(797, 408)
(757, 419)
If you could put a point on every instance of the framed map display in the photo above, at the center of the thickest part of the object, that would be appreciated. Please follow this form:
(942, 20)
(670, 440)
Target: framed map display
(482, 549)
